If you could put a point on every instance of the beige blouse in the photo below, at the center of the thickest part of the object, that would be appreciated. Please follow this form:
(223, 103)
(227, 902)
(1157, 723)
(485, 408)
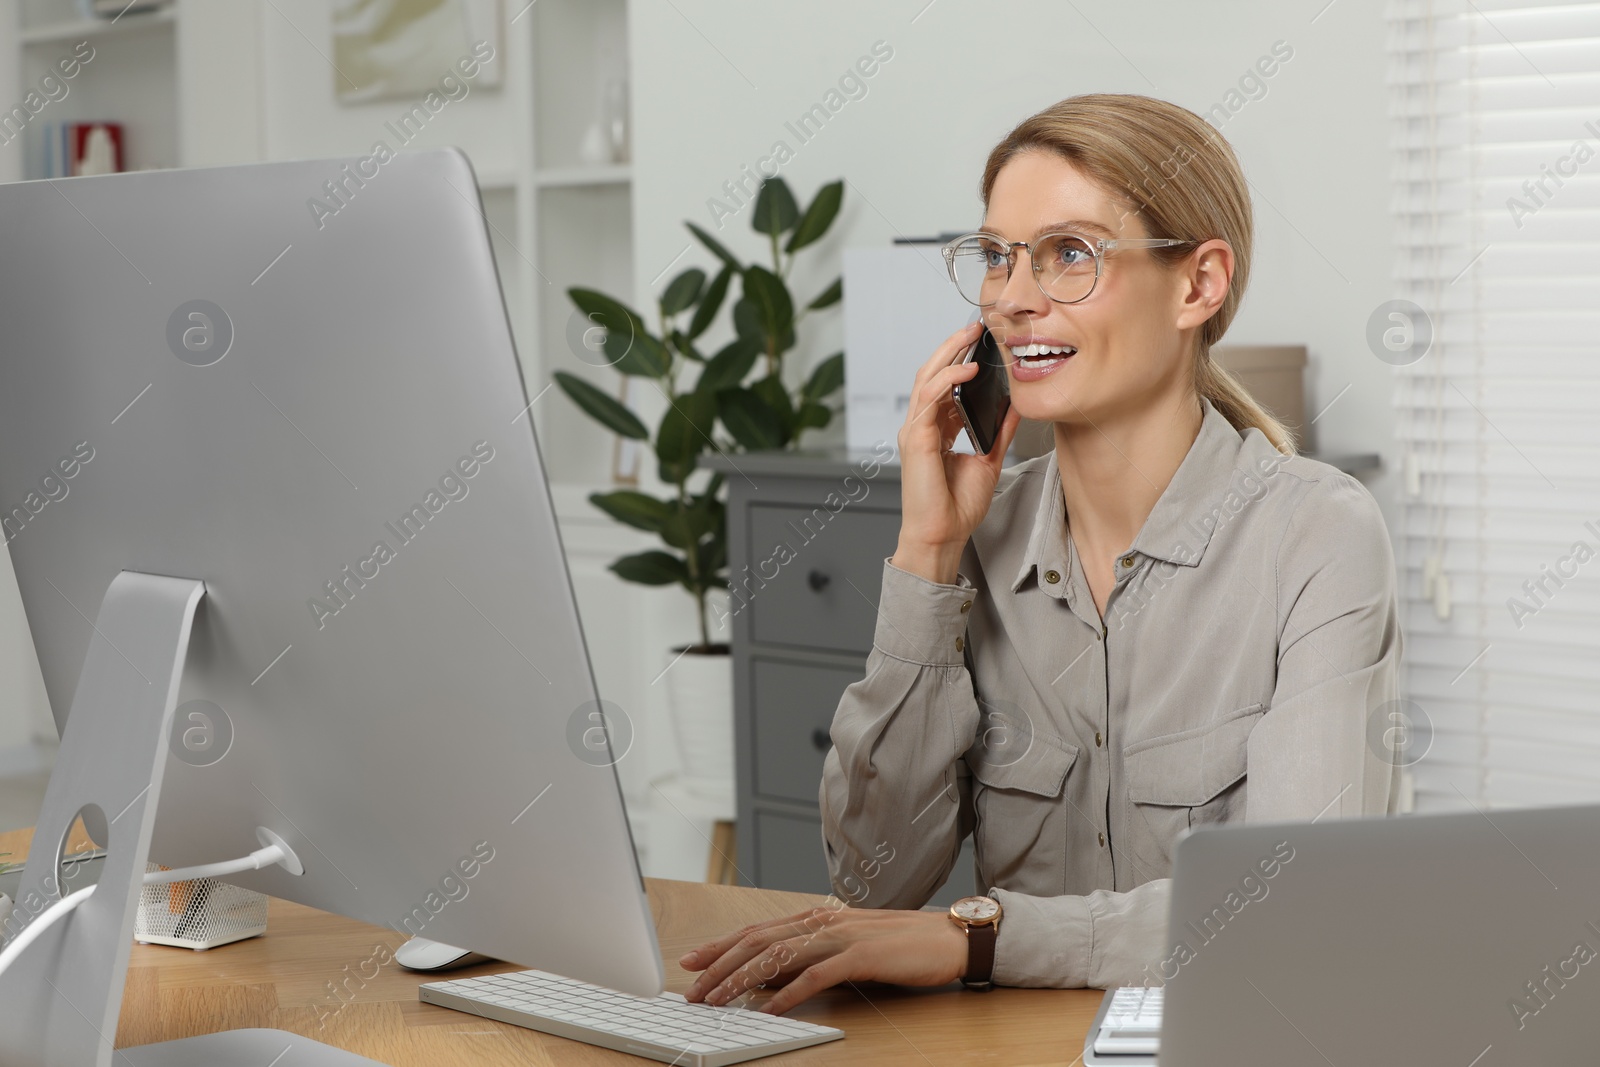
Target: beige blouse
(1241, 672)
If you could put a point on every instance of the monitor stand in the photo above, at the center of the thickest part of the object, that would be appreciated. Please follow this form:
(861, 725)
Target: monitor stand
(61, 999)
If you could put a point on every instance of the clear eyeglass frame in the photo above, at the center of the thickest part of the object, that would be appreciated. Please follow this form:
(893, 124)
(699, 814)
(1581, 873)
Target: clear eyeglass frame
(1099, 246)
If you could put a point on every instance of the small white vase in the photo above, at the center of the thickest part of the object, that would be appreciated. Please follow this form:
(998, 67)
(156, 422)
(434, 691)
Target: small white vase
(594, 150)
(700, 700)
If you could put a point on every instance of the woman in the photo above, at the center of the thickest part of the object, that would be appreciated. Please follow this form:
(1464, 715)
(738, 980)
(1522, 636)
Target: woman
(1170, 620)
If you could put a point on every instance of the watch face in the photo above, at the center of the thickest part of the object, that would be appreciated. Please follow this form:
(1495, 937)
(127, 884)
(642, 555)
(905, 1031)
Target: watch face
(975, 909)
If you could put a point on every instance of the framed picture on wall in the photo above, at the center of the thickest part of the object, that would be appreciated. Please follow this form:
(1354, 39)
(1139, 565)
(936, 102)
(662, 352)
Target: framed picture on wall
(431, 52)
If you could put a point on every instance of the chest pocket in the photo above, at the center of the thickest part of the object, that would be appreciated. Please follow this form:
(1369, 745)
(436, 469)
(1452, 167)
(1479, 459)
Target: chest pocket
(1185, 779)
(1020, 837)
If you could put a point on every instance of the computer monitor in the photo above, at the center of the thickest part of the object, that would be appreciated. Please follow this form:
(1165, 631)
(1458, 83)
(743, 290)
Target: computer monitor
(296, 383)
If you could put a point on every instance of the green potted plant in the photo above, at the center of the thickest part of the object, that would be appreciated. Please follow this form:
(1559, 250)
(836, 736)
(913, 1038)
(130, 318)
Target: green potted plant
(736, 400)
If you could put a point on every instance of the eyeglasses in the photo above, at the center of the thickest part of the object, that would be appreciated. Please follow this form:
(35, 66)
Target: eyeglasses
(1066, 266)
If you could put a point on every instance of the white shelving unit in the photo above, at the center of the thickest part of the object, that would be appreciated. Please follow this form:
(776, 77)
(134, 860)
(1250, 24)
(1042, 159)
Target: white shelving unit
(610, 174)
(129, 78)
(75, 29)
(203, 83)
(582, 214)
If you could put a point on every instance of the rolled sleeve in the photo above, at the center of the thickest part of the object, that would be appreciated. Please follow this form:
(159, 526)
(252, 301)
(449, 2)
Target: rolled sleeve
(894, 805)
(1099, 940)
(919, 621)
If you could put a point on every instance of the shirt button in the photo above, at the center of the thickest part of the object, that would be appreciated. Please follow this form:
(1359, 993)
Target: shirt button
(1102, 840)
(1052, 577)
(965, 606)
(1127, 561)
(1097, 739)
(960, 644)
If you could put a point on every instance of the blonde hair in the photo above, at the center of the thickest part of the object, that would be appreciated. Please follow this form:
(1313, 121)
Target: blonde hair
(1183, 178)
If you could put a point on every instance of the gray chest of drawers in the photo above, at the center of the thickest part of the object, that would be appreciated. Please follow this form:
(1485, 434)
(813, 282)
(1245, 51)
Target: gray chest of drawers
(807, 535)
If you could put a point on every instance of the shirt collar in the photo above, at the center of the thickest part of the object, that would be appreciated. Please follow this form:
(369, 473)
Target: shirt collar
(1179, 526)
(1047, 545)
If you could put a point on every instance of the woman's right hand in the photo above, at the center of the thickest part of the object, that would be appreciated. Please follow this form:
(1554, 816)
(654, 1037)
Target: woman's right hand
(944, 495)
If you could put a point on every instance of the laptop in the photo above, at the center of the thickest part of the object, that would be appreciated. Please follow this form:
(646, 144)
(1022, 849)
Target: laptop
(1469, 938)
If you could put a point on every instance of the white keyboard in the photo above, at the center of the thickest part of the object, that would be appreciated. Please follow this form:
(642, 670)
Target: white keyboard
(1131, 1023)
(666, 1028)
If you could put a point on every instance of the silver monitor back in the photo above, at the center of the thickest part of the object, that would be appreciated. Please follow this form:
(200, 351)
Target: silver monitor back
(1462, 938)
(322, 416)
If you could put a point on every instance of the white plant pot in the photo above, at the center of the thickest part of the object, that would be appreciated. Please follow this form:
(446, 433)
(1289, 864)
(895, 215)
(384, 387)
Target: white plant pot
(700, 701)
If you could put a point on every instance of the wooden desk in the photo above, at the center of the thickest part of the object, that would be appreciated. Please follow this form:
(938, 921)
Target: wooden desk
(282, 980)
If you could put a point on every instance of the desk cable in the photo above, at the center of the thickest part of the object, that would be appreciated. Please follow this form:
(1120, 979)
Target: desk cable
(276, 853)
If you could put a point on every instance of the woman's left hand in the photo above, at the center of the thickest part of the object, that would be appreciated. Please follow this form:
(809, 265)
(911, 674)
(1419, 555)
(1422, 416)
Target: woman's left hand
(807, 952)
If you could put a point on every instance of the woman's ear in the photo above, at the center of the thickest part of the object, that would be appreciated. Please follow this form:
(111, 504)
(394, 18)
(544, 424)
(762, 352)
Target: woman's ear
(1203, 281)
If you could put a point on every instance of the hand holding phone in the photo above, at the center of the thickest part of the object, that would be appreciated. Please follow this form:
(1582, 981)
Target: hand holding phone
(944, 495)
(984, 399)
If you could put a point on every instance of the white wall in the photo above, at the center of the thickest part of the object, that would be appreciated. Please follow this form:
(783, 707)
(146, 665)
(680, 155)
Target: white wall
(719, 79)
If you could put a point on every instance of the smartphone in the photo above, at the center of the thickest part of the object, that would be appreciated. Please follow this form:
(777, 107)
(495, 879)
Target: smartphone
(984, 399)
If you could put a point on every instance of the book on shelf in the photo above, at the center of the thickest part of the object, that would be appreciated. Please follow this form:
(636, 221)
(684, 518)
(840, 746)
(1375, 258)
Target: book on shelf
(71, 149)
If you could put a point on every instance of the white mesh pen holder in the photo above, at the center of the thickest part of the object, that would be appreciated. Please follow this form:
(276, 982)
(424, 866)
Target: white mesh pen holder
(200, 914)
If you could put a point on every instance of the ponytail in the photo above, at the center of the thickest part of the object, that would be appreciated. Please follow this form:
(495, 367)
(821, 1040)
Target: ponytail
(1216, 384)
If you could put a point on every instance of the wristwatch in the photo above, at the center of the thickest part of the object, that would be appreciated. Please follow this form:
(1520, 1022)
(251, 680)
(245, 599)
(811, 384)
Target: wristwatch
(980, 918)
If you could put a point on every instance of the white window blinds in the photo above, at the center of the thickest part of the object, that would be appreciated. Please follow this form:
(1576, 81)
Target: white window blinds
(1495, 112)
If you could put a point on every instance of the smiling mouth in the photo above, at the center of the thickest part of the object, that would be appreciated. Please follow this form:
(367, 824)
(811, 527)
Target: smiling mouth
(1041, 355)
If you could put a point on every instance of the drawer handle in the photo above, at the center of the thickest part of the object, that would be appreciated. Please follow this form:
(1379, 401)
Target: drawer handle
(817, 581)
(820, 738)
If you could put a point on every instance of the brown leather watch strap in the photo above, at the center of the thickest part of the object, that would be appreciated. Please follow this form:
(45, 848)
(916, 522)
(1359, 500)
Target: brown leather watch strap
(980, 956)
